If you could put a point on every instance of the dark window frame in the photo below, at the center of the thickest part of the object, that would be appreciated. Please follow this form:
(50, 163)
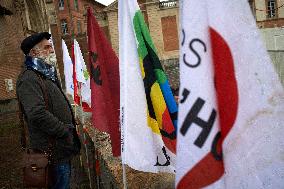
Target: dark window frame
(76, 5)
(64, 26)
(61, 4)
(271, 9)
(79, 26)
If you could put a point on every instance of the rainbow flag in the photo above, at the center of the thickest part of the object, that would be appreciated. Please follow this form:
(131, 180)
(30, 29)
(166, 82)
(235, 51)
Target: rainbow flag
(147, 102)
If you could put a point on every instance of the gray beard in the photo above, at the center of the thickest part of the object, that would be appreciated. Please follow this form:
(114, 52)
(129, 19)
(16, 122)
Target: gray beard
(50, 59)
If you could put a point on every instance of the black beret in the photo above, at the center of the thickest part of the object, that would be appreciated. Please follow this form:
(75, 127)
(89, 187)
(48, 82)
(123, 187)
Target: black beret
(32, 40)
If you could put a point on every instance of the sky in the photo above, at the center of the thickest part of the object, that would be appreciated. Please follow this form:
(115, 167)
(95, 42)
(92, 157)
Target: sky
(105, 2)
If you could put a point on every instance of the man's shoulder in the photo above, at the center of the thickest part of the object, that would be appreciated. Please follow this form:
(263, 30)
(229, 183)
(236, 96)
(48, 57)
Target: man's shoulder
(27, 76)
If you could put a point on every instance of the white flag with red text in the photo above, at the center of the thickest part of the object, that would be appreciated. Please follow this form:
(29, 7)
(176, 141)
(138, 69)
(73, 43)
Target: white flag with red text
(231, 111)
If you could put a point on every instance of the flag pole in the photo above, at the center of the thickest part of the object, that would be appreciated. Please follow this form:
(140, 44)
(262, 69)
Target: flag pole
(84, 135)
(124, 177)
(94, 140)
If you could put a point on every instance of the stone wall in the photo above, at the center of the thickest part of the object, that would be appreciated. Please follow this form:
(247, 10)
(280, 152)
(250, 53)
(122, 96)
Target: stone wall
(277, 58)
(109, 172)
(9, 111)
(171, 67)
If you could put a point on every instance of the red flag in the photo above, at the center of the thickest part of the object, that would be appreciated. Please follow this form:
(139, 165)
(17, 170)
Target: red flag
(86, 107)
(104, 83)
(76, 96)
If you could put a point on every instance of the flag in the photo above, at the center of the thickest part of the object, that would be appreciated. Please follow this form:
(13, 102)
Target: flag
(76, 96)
(80, 66)
(230, 128)
(86, 96)
(82, 76)
(104, 83)
(68, 70)
(148, 108)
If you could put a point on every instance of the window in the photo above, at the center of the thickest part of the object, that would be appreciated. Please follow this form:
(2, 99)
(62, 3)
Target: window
(79, 27)
(61, 4)
(271, 8)
(170, 33)
(64, 27)
(76, 5)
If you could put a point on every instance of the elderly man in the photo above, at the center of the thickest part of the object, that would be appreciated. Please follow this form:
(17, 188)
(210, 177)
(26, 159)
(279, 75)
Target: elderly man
(37, 85)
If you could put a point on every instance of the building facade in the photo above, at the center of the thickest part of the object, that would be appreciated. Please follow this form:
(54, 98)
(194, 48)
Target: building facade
(18, 19)
(162, 19)
(269, 15)
(68, 20)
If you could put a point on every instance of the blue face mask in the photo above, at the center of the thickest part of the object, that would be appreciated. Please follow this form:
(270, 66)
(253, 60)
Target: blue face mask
(40, 66)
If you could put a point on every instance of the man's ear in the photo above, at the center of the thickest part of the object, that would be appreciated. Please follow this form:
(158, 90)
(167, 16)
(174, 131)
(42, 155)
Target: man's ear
(33, 52)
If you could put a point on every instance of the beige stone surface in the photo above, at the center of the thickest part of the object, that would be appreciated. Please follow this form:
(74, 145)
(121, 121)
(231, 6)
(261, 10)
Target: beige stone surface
(113, 167)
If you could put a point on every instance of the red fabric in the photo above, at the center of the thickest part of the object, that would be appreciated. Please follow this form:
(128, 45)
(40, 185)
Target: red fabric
(86, 107)
(209, 170)
(104, 83)
(75, 82)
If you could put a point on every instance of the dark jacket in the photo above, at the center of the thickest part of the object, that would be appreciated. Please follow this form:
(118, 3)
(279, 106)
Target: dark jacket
(57, 122)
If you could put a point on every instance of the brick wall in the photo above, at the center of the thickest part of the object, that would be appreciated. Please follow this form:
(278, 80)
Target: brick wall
(9, 111)
(271, 23)
(11, 57)
(155, 27)
(170, 33)
(165, 38)
(112, 17)
(56, 36)
(26, 19)
(73, 15)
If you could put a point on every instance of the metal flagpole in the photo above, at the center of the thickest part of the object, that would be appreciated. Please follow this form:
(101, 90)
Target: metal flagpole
(124, 176)
(84, 135)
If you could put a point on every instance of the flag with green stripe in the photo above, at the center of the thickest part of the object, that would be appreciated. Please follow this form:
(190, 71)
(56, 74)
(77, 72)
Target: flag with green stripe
(148, 108)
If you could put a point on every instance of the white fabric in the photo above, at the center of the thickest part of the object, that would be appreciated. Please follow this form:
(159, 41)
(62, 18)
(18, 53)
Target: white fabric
(68, 70)
(86, 92)
(80, 65)
(82, 74)
(254, 148)
(140, 146)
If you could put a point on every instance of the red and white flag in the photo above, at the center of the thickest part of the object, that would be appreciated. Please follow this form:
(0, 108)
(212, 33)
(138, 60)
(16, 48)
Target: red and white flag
(82, 76)
(75, 81)
(231, 109)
